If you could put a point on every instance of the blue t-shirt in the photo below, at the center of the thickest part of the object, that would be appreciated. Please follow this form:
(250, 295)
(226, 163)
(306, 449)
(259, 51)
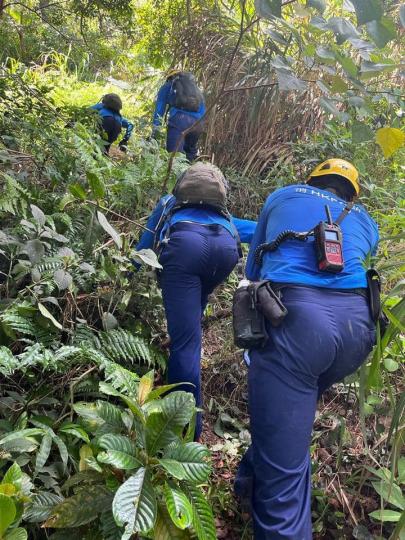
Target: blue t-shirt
(300, 208)
(244, 227)
(165, 99)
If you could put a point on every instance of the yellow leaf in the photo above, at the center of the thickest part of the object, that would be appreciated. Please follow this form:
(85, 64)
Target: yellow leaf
(145, 386)
(8, 489)
(390, 139)
(85, 453)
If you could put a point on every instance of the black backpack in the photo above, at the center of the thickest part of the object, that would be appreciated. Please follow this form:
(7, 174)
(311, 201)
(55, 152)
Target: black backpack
(187, 95)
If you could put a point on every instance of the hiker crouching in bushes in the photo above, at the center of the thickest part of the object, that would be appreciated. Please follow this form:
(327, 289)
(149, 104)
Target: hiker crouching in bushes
(197, 243)
(112, 121)
(183, 102)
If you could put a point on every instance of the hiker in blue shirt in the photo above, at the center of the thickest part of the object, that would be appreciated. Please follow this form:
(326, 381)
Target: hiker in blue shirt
(198, 249)
(182, 101)
(326, 335)
(112, 121)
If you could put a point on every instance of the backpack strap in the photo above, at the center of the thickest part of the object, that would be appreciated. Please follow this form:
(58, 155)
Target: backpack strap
(163, 220)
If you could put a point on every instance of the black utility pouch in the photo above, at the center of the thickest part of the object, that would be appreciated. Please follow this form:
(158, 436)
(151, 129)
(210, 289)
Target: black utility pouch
(374, 299)
(249, 327)
(269, 303)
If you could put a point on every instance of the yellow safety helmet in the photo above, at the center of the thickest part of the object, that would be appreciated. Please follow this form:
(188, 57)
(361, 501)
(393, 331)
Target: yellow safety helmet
(340, 167)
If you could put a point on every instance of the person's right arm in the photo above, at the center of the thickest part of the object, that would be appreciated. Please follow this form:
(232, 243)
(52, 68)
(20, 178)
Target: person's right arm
(161, 105)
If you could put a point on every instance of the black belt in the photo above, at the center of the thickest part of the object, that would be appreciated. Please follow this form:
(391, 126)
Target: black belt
(359, 290)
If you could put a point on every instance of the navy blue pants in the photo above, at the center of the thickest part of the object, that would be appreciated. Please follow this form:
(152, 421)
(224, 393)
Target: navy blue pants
(326, 336)
(196, 259)
(188, 144)
(112, 129)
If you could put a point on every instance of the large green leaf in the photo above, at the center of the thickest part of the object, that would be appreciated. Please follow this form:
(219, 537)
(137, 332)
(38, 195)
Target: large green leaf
(367, 10)
(165, 529)
(165, 424)
(40, 507)
(16, 534)
(96, 184)
(268, 8)
(187, 462)
(390, 492)
(203, 519)
(386, 515)
(120, 452)
(43, 452)
(134, 504)
(361, 132)
(109, 229)
(330, 107)
(288, 81)
(13, 476)
(342, 28)
(83, 507)
(7, 512)
(74, 429)
(382, 31)
(178, 505)
(21, 434)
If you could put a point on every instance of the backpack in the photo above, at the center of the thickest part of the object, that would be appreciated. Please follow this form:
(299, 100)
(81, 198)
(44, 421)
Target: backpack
(202, 185)
(186, 94)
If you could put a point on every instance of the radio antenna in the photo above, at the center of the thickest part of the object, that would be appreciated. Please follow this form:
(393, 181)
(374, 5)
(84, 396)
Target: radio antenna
(328, 215)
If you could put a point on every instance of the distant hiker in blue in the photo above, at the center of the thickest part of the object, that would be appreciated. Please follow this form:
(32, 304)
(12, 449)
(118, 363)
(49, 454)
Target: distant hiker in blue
(183, 103)
(112, 122)
(326, 335)
(197, 244)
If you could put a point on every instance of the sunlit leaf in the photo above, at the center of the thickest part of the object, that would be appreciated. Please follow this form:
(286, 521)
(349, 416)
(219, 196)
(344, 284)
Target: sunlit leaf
(109, 229)
(146, 256)
(386, 515)
(46, 313)
(390, 140)
(178, 505)
(7, 512)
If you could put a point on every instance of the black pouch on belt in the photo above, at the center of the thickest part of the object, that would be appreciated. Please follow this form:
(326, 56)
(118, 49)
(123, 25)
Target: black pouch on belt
(374, 299)
(269, 303)
(249, 329)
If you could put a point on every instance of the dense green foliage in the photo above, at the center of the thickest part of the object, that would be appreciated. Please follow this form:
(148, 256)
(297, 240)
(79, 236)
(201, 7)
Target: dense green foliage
(89, 444)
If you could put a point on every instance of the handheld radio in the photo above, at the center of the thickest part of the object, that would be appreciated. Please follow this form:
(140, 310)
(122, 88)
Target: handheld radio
(328, 242)
(329, 245)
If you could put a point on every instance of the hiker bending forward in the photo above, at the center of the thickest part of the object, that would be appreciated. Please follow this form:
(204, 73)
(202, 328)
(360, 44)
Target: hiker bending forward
(112, 122)
(197, 245)
(326, 335)
(182, 101)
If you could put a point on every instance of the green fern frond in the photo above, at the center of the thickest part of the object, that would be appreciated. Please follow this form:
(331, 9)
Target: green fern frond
(121, 345)
(121, 379)
(13, 196)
